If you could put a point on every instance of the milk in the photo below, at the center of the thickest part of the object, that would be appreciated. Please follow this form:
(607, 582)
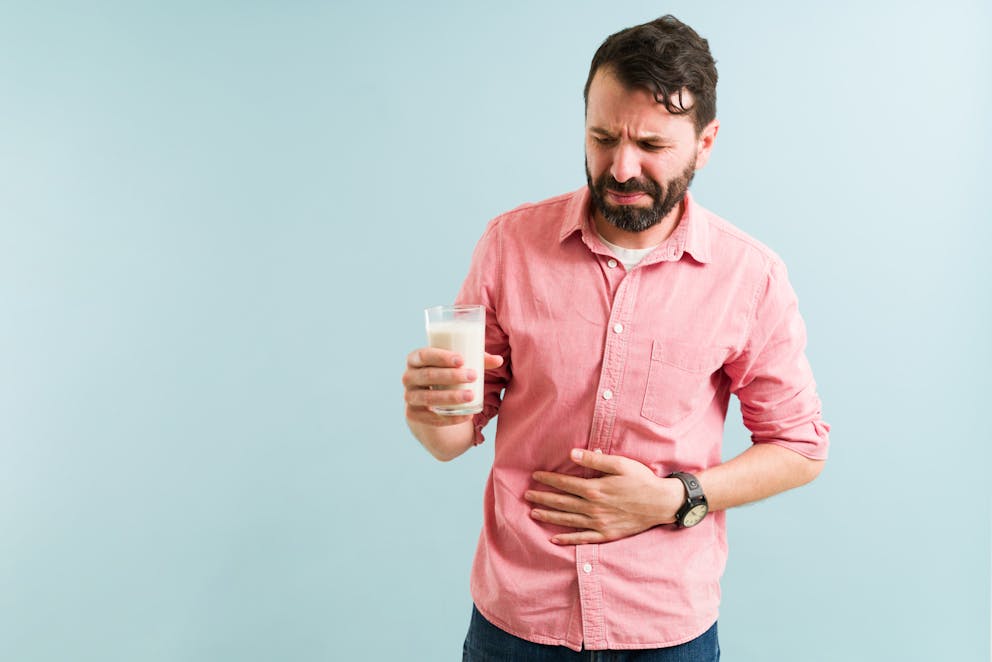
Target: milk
(468, 338)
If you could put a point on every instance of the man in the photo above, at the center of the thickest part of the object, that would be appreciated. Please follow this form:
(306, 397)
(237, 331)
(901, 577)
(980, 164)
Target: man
(620, 318)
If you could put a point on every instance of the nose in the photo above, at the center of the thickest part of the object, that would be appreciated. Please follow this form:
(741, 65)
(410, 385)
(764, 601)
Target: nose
(626, 164)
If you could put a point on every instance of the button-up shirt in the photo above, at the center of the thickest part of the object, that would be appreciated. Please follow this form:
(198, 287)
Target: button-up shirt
(637, 363)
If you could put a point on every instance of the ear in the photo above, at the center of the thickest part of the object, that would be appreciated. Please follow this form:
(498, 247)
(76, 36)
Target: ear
(704, 142)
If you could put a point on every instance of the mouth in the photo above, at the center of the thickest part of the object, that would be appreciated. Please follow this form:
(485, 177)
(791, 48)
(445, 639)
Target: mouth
(625, 198)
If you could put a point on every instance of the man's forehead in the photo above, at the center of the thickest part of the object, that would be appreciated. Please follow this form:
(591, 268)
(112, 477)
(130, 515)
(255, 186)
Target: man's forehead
(639, 117)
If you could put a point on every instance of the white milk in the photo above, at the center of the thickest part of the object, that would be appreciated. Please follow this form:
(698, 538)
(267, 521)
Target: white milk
(468, 338)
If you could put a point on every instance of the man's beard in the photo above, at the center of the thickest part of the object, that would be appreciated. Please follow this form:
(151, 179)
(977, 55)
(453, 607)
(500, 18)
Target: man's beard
(638, 219)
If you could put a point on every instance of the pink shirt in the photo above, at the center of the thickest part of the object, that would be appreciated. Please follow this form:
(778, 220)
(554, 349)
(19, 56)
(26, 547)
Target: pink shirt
(639, 364)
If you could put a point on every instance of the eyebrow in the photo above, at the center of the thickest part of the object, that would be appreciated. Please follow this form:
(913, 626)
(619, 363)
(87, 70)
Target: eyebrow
(652, 137)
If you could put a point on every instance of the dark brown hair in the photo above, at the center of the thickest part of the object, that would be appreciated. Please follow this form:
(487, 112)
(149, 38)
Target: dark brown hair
(665, 57)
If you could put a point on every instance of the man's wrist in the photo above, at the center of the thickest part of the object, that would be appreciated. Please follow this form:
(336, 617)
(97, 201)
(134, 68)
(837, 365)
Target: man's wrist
(671, 497)
(694, 505)
(444, 442)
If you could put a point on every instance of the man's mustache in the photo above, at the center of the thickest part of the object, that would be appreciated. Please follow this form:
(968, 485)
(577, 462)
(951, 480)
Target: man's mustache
(629, 186)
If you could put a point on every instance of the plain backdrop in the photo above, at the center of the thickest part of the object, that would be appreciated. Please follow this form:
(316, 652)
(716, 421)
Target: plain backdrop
(220, 222)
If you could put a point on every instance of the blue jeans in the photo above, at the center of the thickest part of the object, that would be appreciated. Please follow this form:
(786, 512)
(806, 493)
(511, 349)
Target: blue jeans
(487, 643)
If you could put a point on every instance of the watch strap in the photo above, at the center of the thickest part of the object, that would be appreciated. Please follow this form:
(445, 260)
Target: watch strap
(694, 498)
(693, 490)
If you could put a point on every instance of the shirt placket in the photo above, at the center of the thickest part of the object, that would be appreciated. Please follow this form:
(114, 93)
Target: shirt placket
(588, 569)
(590, 596)
(610, 387)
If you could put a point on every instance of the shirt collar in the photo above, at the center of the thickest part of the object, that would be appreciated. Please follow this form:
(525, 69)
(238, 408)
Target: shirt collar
(692, 235)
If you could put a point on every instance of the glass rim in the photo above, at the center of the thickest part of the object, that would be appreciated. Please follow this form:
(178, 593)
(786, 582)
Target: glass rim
(459, 307)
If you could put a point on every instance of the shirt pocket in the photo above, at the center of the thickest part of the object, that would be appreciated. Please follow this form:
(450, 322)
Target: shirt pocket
(679, 380)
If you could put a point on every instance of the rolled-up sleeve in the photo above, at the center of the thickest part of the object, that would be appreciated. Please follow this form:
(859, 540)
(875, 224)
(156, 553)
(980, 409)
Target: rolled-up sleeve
(771, 375)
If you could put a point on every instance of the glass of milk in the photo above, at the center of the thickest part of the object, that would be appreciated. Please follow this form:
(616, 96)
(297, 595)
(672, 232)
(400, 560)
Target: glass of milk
(460, 329)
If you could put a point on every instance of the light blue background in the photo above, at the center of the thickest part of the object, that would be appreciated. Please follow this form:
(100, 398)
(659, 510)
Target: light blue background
(219, 222)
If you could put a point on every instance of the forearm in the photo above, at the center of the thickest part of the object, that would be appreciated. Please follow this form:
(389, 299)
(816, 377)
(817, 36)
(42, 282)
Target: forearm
(444, 443)
(763, 470)
(628, 497)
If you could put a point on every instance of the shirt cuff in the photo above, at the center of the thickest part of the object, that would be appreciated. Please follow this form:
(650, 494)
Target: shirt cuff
(478, 422)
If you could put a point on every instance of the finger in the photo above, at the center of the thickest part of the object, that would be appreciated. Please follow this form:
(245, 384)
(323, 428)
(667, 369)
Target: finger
(571, 484)
(426, 377)
(424, 397)
(434, 356)
(492, 361)
(579, 538)
(607, 464)
(571, 520)
(562, 502)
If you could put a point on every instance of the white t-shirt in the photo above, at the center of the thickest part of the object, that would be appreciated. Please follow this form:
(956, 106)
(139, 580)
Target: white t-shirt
(630, 257)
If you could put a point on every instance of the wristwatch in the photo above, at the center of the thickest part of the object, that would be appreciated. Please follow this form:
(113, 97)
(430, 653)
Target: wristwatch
(695, 507)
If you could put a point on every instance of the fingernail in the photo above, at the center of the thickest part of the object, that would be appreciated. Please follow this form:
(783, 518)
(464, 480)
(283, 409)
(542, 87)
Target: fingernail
(576, 454)
(470, 375)
(556, 541)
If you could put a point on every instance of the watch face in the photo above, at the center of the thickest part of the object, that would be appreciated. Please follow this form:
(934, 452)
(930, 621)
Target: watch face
(695, 515)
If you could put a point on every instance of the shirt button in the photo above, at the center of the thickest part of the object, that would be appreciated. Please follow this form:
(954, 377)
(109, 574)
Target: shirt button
(607, 394)
(618, 328)
(587, 568)
(611, 264)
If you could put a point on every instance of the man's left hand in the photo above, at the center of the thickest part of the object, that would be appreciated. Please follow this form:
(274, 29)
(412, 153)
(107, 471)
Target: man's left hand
(627, 499)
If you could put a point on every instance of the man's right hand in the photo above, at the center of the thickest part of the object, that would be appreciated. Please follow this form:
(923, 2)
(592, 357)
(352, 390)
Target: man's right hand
(446, 437)
(429, 367)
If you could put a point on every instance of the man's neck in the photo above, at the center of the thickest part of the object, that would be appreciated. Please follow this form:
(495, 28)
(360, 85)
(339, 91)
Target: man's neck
(653, 236)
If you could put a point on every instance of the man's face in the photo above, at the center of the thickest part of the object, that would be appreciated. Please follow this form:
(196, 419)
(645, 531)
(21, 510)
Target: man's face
(640, 159)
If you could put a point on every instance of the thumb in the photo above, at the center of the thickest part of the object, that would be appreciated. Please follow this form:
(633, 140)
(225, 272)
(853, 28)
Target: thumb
(493, 361)
(608, 464)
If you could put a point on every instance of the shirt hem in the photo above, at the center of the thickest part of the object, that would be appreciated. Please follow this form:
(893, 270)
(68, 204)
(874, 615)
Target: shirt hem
(546, 640)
